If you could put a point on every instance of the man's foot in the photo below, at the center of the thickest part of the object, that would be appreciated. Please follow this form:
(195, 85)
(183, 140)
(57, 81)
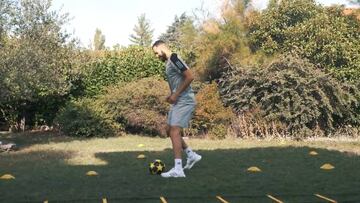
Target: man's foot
(174, 173)
(191, 160)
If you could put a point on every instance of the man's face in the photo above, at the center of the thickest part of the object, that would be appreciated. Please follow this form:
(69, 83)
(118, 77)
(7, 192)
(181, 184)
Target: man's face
(159, 53)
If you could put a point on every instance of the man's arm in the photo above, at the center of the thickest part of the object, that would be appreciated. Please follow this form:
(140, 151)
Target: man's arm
(188, 78)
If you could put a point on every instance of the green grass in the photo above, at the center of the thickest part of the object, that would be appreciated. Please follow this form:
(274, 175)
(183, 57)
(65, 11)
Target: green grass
(53, 168)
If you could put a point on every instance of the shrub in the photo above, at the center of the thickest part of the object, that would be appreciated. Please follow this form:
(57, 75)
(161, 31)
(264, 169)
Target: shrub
(293, 91)
(324, 36)
(127, 65)
(85, 118)
(139, 105)
(210, 116)
(251, 124)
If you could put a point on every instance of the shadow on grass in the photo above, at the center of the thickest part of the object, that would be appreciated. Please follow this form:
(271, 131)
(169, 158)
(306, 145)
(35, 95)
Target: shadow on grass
(26, 139)
(288, 173)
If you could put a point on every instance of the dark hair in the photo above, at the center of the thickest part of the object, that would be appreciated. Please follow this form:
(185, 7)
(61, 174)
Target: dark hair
(157, 43)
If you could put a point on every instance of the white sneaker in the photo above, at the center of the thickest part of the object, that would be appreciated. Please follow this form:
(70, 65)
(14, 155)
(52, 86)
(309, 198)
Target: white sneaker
(173, 173)
(191, 160)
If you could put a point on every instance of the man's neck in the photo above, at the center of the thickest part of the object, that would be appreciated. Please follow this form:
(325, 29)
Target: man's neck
(168, 54)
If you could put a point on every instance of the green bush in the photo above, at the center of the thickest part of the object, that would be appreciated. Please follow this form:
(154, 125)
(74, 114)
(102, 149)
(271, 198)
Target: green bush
(139, 105)
(324, 36)
(211, 117)
(295, 92)
(86, 118)
(127, 65)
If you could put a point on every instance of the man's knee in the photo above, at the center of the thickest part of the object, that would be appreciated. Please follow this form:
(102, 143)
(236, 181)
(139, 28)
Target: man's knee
(175, 130)
(168, 130)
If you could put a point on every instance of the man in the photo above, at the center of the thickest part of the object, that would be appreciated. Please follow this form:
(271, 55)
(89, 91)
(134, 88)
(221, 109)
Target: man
(182, 102)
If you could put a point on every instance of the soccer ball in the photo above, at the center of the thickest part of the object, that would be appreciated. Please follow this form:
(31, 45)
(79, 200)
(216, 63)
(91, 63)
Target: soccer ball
(156, 167)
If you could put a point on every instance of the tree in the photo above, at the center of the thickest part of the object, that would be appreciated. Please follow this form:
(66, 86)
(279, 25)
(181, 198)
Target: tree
(117, 47)
(143, 32)
(180, 36)
(6, 14)
(173, 33)
(35, 61)
(99, 40)
(222, 38)
(355, 2)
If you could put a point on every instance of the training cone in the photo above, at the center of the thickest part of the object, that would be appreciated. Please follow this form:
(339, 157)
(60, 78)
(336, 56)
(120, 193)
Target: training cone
(327, 167)
(313, 153)
(92, 173)
(7, 177)
(254, 169)
(141, 156)
(141, 145)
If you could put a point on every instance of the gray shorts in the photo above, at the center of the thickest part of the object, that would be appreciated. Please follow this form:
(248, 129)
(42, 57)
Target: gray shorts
(180, 114)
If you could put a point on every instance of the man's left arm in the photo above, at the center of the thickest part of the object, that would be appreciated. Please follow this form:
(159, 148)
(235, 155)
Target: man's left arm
(188, 78)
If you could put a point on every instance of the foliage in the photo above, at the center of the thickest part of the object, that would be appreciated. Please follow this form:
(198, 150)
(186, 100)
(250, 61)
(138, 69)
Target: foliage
(6, 14)
(128, 64)
(295, 92)
(325, 36)
(35, 59)
(85, 118)
(180, 36)
(210, 116)
(221, 39)
(252, 124)
(355, 2)
(139, 105)
(143, 32)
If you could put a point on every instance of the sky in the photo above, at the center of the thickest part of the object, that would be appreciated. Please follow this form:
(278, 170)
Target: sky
(117, 18)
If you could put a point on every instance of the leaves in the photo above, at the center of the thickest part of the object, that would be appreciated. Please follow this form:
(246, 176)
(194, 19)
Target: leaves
(134, 62)
(294, 92)
(324, 36)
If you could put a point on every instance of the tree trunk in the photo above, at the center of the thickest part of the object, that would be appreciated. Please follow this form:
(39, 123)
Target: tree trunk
(22, 123)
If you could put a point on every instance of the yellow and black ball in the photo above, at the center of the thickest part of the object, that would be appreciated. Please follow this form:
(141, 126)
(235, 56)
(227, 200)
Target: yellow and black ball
(156, 167)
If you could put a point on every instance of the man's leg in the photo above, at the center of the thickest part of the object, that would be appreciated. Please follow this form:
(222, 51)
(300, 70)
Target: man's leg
(176, 140)
(192, 157)
(183, 143)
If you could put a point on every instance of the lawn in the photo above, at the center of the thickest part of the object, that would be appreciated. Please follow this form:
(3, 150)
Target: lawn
(53, 168)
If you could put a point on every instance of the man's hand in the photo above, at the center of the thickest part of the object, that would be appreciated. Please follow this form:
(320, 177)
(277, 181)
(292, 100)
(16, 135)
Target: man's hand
(172, 99)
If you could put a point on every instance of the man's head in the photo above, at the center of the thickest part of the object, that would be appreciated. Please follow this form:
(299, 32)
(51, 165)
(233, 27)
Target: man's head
(161, 50)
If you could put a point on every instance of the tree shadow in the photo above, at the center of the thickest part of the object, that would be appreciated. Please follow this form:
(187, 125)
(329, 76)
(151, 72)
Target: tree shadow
(288, 173)
(27, 139)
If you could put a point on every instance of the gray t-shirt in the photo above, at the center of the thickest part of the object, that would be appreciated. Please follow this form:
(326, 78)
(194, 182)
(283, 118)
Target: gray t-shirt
(174, 73)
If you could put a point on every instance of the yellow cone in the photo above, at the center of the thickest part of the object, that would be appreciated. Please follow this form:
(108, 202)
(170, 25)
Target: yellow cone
(7, 177)
(141, 156)
(254, 169)
(313, 153)
(141, 145)
(327, 167)
(92, 173)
